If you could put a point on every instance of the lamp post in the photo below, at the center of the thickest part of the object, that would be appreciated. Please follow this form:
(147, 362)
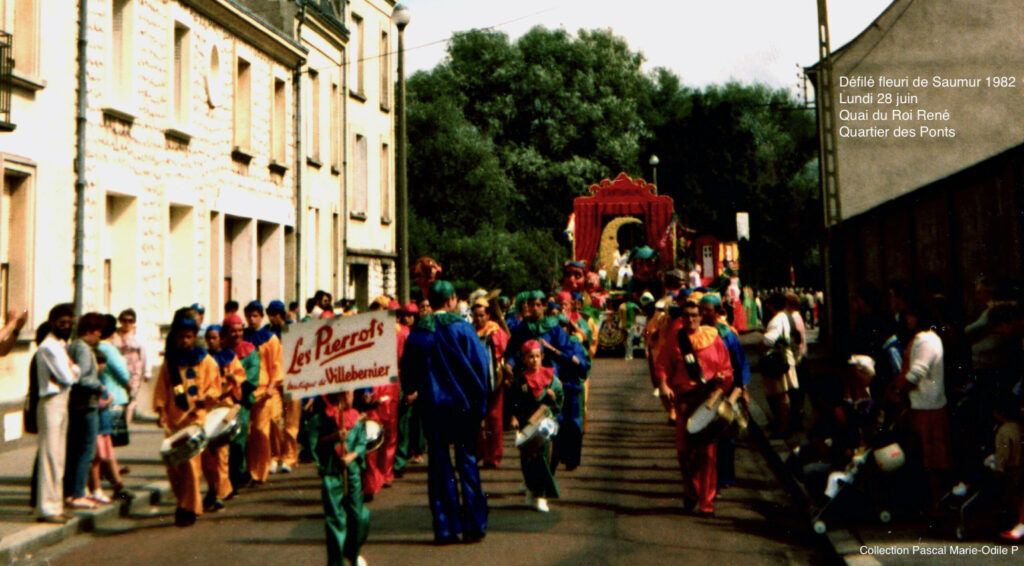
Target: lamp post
(400, 17)
(654, 168)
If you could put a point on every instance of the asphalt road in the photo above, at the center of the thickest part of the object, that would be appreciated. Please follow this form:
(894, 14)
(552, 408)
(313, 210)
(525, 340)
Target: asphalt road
(622, 506)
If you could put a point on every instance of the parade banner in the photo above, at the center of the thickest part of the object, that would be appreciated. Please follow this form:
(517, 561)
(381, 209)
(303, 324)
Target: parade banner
(340, 354)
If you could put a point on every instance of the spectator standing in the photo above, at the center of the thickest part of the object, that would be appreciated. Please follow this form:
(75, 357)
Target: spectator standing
(127, 343)
(83, 411)
(53, 373)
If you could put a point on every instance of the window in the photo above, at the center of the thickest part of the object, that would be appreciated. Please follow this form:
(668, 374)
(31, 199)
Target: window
(180, 84)
(357, 40)
(360, 173)
(120, 247)
(385, 183)
(385, 72)
(278, 125)
(21, 19)
(16, 240)
(121, 51)
(269, 261)
(180, 257)
(335, 127)
(243, 106)
(314, 116)
(211, 81)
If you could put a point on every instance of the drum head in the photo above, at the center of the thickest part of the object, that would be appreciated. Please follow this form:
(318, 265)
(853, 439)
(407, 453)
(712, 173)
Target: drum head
(701, 418)
(214, 419)
(374, 435)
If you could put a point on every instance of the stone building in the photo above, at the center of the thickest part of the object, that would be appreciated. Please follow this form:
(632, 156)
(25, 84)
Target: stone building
(369, 234)
(37, 148)
(941, 206)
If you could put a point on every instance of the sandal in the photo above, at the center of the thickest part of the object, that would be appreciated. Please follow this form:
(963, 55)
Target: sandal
(82, 503)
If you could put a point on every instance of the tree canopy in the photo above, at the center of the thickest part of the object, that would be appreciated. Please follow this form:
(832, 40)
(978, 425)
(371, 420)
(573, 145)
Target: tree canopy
(503, 135)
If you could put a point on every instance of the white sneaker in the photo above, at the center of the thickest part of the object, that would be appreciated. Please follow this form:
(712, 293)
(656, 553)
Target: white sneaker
(285, 469)
(273, 467)
(542, 505)
(360, 561)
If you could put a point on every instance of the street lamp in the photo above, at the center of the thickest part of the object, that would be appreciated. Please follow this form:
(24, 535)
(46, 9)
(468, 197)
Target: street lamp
(400, 17)
(654, 167)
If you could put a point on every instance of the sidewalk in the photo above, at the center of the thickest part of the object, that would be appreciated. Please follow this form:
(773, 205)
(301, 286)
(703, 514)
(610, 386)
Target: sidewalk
(863, 541)
(21, 535)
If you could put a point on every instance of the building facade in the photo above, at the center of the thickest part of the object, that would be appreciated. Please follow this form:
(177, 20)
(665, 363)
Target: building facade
(369, 233)
(37, 144)
(933, 201)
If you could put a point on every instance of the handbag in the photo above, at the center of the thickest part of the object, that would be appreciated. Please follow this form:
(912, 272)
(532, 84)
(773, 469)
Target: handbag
(119, 425)
(774, 364)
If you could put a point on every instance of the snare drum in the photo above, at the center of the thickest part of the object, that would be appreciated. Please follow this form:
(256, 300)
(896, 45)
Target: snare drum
(183, 445)
(534, 435)
(374, 435)
(222, 425)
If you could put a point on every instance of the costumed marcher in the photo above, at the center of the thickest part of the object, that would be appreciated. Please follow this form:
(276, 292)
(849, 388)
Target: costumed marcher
(235, 347)
(494, 339)
(693, 363)
(337, 436)
(216, 460)
(750, 309)
(654, 339)
(536, 387)
(444, 368)
(384, 401)
(713, 315)
(411, 441)
(266, 411)
(645, 274)
(571, 365)
(284, 441)
(425, 271)
(189, 383)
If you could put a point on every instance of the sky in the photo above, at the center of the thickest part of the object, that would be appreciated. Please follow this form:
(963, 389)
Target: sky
(705, 42)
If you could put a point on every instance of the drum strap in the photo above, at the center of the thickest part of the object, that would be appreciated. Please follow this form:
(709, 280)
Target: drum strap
(693, 368)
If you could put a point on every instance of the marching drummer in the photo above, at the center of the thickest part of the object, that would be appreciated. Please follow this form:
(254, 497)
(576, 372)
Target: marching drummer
(215, 459)
(337, 438)
(267, 409)
(536, 392)
(188, 384)
(693, 361)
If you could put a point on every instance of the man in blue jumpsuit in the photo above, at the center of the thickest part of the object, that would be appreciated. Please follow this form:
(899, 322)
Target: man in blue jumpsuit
(444, 368)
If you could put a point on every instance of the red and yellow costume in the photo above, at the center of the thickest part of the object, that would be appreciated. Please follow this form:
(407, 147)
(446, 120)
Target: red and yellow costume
(697, 460)
(380, 465)
(490, 449)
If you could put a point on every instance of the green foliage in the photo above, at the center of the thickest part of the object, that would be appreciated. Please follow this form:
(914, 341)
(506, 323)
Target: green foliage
(503, 135)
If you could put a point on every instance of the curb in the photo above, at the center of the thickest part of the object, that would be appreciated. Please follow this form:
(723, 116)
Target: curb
(841, 542)
(22, 544)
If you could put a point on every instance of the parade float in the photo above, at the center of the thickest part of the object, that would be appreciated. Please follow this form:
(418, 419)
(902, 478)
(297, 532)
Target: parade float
(621, 216)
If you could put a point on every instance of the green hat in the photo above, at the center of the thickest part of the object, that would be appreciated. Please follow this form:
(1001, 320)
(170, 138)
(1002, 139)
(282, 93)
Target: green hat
(441, 291)
(644, 252)
(711, 299)
(537, 295)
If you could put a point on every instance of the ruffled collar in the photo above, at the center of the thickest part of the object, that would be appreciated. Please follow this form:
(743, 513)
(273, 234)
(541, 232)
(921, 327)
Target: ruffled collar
(490, 328)
(539, 379)
(189, 358)
(223, 357)
(258, 337)
(243, 348)
(430, 322)
(704, 337)
(542, 326)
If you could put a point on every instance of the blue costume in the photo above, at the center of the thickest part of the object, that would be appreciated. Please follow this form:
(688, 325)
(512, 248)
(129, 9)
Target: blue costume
(446, 365)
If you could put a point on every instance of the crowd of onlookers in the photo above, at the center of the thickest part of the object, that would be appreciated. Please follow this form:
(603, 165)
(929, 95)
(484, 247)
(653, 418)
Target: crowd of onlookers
(943, 398)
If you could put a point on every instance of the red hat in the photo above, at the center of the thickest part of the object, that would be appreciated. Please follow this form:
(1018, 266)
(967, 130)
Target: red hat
(393, 305)
(529, 346)
(232, 318)
(409, 308)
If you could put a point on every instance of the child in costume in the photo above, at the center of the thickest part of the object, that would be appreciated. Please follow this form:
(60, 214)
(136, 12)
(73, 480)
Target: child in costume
(337, 438)
(533, 389)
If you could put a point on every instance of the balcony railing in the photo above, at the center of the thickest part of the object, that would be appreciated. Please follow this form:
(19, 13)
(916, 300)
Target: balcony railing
(6, 80)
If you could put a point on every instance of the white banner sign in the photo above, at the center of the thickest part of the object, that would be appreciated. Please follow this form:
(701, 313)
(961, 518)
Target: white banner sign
(340, 354)
(742, 226)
